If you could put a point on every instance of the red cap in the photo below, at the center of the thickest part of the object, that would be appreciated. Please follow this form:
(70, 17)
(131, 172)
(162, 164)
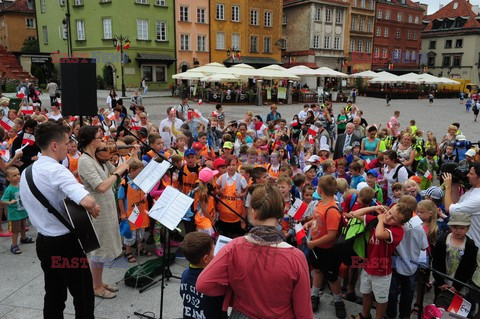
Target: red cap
(219, 162)
(197, 145)
(416, 179)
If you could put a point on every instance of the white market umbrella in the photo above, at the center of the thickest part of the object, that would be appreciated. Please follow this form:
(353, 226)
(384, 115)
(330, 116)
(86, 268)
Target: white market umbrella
(212, 68)
(276, 72)
(243, 70)
(429, 79)
(448, 81)
(385, 77)
(364, 74)
(221, 77)
(302, 70)
(324, 71)
(189, 75)
(410, 78)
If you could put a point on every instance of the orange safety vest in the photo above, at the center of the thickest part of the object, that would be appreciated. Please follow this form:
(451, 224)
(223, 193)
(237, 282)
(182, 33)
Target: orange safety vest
(271, 172)
(72, 163)
(188, 180)
(229, 197)
(202, 221)
(136, 197)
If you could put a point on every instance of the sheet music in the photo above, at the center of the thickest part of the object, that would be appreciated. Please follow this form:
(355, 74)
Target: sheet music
(170, 207)
(150, 175)
(221, 241)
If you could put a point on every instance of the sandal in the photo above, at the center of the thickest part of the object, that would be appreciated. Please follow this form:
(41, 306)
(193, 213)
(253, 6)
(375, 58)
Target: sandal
(104, 294)
(27, 240)
(15, 249)
(145, 252)
(130, 258)
(112, 288)
(416, 309)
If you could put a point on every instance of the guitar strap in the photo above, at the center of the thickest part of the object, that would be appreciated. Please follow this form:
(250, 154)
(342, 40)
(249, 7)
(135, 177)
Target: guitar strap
(44, 201)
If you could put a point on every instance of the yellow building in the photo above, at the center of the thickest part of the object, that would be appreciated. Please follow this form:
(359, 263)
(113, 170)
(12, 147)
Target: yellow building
(246, 31)
(17, 23)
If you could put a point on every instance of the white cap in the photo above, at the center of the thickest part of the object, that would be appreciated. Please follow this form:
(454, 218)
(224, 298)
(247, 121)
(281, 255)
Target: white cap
(314, 158)
(325, 147)
(361, 185)
(471, 152)
(461, 137)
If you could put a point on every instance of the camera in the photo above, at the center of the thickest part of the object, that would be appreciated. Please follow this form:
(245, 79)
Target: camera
(459, 173)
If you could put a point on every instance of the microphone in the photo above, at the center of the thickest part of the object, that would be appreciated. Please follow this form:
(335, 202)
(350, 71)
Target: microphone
(120, 127)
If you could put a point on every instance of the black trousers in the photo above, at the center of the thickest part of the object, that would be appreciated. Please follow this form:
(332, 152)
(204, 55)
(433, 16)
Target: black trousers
(65, 266)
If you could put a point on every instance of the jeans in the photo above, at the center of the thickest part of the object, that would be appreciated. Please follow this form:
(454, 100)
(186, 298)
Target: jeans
(405, 286)
(65, 267)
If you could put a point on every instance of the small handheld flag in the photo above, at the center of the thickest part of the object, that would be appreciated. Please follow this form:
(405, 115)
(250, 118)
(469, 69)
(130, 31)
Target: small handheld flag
(298, 209)
(135, 217)
(313, 130)
(299, 233)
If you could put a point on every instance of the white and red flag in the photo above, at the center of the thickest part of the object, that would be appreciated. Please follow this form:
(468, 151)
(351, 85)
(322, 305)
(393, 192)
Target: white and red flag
(313, 130)
(298, 209)
(135, 217)
(28, 139)
(27, 109)
(6, 123)
(299, 233)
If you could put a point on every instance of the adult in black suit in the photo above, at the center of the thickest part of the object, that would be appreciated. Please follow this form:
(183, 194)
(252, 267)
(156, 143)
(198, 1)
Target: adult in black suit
(342, 138)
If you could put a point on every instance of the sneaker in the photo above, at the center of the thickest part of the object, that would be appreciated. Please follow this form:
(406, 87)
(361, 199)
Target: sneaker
(340, 311)
(315, 303)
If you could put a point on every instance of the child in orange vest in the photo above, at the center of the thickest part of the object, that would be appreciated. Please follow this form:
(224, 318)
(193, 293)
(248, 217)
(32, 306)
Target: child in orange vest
(130, 198)
(187, 181)
(156, 143)
(204, 205)
(71, 161)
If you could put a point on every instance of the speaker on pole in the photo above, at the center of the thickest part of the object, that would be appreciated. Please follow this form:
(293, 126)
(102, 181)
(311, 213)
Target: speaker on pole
(79, 86)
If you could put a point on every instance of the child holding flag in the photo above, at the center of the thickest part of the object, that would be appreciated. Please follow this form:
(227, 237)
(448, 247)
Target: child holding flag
(132, 203)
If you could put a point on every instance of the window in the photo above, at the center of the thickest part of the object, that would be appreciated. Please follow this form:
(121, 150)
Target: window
(184, 14)
(154, 73)
(448, 44)
(161, 3)
(42, 6)
(161, 30)
(142, 29)
(459, 43)
(371, 5)
(378, 32)
(78, 3)
(200, 15)
(377, 52)
(379, 14)
(328, 15)
(408, 35)
(353, 23)
(413, 56)
(387, 15)
(457, 61)
(368, 46)
(336, 43)
(431, 61)
(354, 3)
(416, 20)
(236, 41)
(361, 24)
(63, 32)
(284, 19)
(446, 61)
(45, 34)
(397, 34)
(254, 17)
(414, 35)
(220, 41)
(141, 1)
(253, 43)
(30, 23)
(384, 53)
(61, 3)
(397, 54)
(338, 16)
(385, 32)
(267, 45)
(220, 11)
(318, 14)
(80, 30)
(362, 4)
(107, 28)
(268, 18)
(352, 45)
(202, 43)
(369, 25)
(360, 45)
(399, 17)
(326, 42)
(316, 41)
(235, 13)
(410, 19)
(184, 42)
(407, 55)
(432, 45)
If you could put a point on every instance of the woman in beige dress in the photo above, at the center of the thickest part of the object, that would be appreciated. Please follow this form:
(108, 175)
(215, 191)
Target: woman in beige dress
(99, 179)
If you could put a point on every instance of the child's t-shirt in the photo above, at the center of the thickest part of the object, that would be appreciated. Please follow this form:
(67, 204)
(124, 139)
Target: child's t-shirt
(15, 211)
(356, 180)
(322, 224)
(379, 252)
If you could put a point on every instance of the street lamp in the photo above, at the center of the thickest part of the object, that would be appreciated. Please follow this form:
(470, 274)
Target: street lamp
(234, 52)
(121, 42)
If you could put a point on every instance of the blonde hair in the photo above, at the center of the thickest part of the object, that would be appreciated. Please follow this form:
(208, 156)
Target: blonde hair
(284, 179)
(342, 185)
(410, 182)
(135, 164)
(430, 207)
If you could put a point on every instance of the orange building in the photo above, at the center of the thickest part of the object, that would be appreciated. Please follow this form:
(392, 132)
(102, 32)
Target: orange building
(17, 23)
(246, 31)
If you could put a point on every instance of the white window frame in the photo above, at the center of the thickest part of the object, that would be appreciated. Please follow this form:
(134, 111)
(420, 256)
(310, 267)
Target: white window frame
(328, 15)
(407, 55)
(253, 36)
(159, 31)
(409, 35)
(267, 16)
(78, 3)
(61, 3)
(379, 14)
(397, 54)
(384, 53)
(220, 11)
(161, 3)
(368, 46)
(80, 30)
(360, 46)
(353, 23)
(43, 7)
(414, 35)
(184, 42)
(336, 43)
(416, 20)
(398, 34)
(63, 32)
(413, 55)
(318, 14)
(184, 14)
(378, 32)
(352, 45)
(267, 45)
(372, 5)
(284, 19)
(201, 15)
(32, 26)
(142, 29)
(107, 28)
(410, 18)
(235, 43)
(202, 43)
(316, 42)
(142, 1)
(253, 17)
(369, 25)
(217, 42)
(45, 34)
(338, 16)
(236, 13)
(326, 42)
(385, 32)
(363, 4)
(361, 25)
(399, 17)
(377, 52)
(387, 15)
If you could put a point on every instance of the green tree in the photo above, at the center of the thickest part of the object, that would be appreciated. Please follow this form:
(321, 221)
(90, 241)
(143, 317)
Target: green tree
(30, 44)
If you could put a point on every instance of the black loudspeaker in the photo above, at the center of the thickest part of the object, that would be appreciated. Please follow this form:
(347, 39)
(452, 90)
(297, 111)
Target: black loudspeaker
(79, 86)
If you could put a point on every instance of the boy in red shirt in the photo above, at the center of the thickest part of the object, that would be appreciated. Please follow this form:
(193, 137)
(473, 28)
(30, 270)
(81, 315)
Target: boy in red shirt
(377, 267)
(322, 256)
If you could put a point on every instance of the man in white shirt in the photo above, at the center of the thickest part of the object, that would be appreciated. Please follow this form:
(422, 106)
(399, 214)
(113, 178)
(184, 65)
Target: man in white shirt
(64, 264)
(469, 202)
(170, 121)
(183, 108)
(52, 90)
(302, 115)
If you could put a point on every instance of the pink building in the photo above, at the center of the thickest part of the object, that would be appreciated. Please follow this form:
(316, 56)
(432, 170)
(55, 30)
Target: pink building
(192, 32)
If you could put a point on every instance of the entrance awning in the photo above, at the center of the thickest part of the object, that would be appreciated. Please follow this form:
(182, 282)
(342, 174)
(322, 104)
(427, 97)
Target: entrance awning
(256, 62)
(144, 58)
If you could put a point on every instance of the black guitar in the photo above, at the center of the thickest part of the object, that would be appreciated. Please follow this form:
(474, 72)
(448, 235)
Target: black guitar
(81, 221)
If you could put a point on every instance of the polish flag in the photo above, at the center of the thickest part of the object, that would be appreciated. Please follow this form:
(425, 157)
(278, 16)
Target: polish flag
(214, 114)
(5, 155)
(28, 139)
(6, 123)
(299, 233)
(200, 102)
(298, 208)
(27, 109)
(111, 116)
(136, 125)
(313, 130)
(428, 175)
(311, 140)
(389, 125)
(193, 113)
(135, 217)
(459, 306)
(294, 124)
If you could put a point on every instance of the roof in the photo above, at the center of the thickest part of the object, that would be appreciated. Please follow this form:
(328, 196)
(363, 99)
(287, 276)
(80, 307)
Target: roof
(153, 57)
(408, 3)
(255, 61)
(17, 6)
(457, 14)
(296, 2)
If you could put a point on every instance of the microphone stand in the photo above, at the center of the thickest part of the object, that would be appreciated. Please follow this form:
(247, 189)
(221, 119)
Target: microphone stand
(218, 200)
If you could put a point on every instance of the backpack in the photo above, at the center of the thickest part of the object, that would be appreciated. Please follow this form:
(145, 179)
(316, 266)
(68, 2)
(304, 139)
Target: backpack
(409, 172)
(353, 240)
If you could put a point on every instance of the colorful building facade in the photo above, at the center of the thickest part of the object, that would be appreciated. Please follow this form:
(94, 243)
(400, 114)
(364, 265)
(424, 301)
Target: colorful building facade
(359, 41)
(17, 23)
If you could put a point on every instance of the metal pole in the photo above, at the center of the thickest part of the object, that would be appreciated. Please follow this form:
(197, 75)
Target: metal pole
(69, 30)
(121, 61)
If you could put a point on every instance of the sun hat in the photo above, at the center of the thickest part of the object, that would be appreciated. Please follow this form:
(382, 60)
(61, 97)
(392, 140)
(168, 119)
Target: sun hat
(471, 152)
(460, 219)
(206, 174)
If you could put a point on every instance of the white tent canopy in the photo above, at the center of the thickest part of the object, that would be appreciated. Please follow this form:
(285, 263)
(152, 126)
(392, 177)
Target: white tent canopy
(212, 68)
(429, 79)
(221, 77)
(410, 78)
(191, 74)
(276, 72)
(365, 74)
(302, 70)
(324, 71)
(243, 70)
(448, 81)
(385, 77)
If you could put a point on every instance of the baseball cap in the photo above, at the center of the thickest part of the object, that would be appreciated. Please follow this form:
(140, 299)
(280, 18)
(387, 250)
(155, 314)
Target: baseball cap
(460, 219)
(361, 185)
(356, 143)
(325, 147)
(434, 192)
(219, 162)
(190, 151)
(308, 167)
(197, 146)
(416, 179)
(471, 152)
(228, 145)
(461, 137)
(373, 172)
(206, 174)
(313, 159)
